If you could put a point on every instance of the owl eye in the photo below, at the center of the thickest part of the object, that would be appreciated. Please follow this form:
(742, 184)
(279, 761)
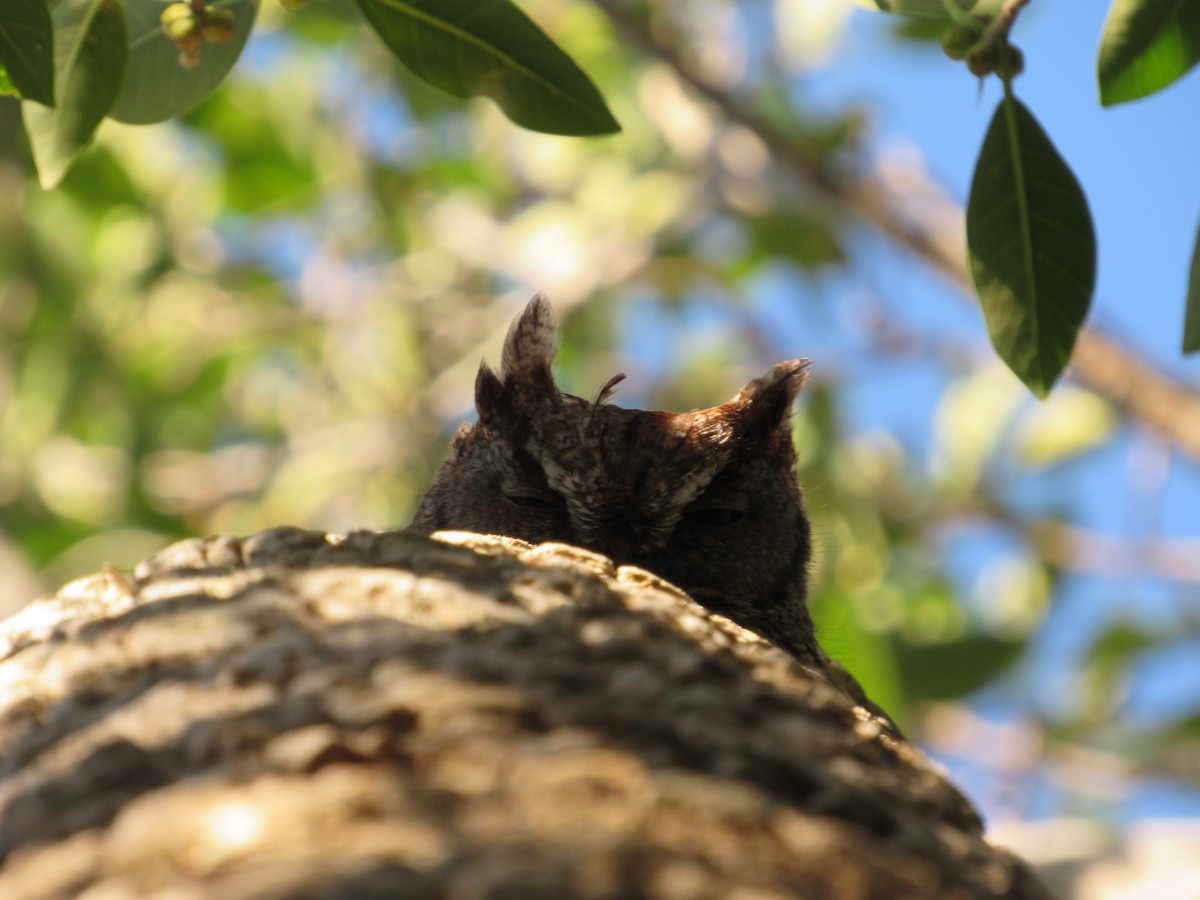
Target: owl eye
(535, 501)
(713, 516)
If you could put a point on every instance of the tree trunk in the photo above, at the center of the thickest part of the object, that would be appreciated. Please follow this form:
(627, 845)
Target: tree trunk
(389, 715)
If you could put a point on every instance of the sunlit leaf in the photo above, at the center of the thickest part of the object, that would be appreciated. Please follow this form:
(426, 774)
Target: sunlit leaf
(1071, 422)
(1147, 45)
(925, 8)
(261, 171)
(867, 655)
(491, 48)
(156, 86)
(972, 420)
(89, 58)
(808, 35)
(1032, 247)
(1191, 325)
(324, 23)
(27, 48)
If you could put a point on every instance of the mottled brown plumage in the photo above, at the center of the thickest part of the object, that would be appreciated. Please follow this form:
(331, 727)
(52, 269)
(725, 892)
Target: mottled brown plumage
(707, 499)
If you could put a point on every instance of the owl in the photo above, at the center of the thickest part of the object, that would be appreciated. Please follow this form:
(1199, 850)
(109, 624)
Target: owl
(708, 499)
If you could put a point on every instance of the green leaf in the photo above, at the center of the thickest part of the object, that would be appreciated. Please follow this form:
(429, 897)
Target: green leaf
(491, 48)
(952, 670)
(1191, 324)
(89, 58)
(923, 30)
(156, 86)
(1031, 245)
(1147, 44)
(27, 48)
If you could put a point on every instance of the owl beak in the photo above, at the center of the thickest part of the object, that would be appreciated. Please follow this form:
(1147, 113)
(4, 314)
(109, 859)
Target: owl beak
(622, 539)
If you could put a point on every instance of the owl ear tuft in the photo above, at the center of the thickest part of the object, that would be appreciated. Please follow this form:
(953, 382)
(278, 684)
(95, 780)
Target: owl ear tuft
(490, 400)
(530, 346)
(525, 382)
(762, 406)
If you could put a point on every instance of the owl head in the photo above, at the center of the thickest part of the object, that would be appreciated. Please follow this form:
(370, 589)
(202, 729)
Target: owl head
(707, 499)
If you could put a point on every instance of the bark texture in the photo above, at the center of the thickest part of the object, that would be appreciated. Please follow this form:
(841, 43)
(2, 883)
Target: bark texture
(388, 715)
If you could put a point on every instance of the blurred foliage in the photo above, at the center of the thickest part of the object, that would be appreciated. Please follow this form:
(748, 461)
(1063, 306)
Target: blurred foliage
(271, 311)
(1031, 241)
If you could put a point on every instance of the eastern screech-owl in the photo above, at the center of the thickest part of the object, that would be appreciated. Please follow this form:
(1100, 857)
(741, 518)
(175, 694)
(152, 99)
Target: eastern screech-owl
(707, 499)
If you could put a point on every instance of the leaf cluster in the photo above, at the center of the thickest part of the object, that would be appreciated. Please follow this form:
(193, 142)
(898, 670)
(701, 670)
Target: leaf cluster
(77, 62)
(1030, 237)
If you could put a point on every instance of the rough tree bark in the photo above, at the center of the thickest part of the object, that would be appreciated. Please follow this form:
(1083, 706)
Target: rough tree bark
(387, 715)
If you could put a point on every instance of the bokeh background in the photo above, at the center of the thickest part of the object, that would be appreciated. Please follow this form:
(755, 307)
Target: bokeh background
(271, 312)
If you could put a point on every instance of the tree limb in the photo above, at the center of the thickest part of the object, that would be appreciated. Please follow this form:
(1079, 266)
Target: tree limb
(386, 714)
